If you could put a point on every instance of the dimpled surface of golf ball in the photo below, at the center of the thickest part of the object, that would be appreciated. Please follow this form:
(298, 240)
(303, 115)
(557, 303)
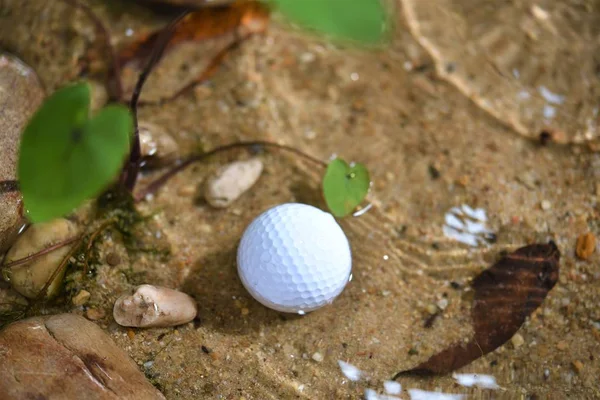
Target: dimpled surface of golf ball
(294, 258)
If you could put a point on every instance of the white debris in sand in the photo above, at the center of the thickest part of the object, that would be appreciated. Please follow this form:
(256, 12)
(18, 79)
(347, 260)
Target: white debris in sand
(466, 225)
(480, 380)
(371, 394)
(418, 394)
(350, 371)
(392, 387)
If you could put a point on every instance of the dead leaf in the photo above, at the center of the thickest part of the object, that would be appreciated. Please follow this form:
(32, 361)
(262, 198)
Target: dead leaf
(195, 49)
(505, 295)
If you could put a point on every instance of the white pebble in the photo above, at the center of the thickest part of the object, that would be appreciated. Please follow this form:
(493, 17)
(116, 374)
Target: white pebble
(231, 181)
(545, 205)
(392, 387)
(370, 394)
(350, 371)
(154, 306)
(318, 357)
(418, 394)
(480, 380)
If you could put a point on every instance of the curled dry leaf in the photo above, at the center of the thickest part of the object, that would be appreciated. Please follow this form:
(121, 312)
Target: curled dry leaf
(505, 295)
(202, 39)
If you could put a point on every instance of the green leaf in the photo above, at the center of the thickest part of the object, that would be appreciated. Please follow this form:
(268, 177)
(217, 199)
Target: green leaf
(358, 20)
(65, 157)
(345, 186)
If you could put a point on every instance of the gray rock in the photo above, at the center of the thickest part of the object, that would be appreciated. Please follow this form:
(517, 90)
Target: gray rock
(20, 95)
(66, 357)
(231, 181)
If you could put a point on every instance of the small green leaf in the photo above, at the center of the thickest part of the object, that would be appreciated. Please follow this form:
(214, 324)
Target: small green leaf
(65, 157)
(345, 186)
(358, 20)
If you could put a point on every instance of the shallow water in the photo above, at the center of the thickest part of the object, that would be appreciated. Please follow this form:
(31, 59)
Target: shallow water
(448, 115)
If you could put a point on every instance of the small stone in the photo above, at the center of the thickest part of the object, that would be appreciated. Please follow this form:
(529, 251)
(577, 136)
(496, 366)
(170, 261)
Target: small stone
(517, 341)
(318, 357)
(562, 345)
(245, 311)
(81, 298)
(432, 309)
(157, 146)
(586, 245)
(95, 314)
(231, 181)
(154, 306)
(577, 366)
(113, 259)
(442, 303)
(187, 190)
(545, 205)
(130, 334)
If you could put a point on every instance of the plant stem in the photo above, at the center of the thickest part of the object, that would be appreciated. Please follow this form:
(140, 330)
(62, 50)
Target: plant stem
(40, 253)
(132, 168)
(158, 183)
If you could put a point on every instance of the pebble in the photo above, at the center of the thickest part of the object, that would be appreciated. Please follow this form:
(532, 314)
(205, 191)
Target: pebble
(545, 205)
(81, 298)
(318, 357)
(30, 278)
(586, 245)
(113, 259)
(432, 309)
(517, 340)
(231, 181)
(562, 345)
(94, 314)
(245, 311)
(157, 146)
(154, 306)
(577, 366)
(442, 303)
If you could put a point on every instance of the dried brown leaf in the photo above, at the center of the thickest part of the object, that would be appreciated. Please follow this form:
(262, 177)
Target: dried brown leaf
(505, 295)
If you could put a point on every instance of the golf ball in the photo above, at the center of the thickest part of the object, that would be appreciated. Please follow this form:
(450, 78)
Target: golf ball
(294, 258)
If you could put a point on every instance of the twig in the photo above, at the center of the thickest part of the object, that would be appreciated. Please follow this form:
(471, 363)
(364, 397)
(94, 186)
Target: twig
(154, 186)
(40, 253)
(58, 269)
(132, 168)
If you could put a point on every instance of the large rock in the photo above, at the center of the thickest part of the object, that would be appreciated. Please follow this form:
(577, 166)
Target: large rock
(20, 95)
(66, 357)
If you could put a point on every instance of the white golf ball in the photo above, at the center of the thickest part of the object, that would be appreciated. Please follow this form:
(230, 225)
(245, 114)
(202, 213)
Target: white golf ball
(294, 258)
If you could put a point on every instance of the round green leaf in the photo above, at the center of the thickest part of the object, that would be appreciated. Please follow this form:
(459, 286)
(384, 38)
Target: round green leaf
(345, 186)
(66, 158)
(359, 20)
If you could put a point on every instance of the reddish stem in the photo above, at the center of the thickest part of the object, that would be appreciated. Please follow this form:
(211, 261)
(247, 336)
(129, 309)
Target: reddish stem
(40, 253)
(158, 183)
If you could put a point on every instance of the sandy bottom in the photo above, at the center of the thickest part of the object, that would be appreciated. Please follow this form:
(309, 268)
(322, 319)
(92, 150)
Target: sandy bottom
(431, 142)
